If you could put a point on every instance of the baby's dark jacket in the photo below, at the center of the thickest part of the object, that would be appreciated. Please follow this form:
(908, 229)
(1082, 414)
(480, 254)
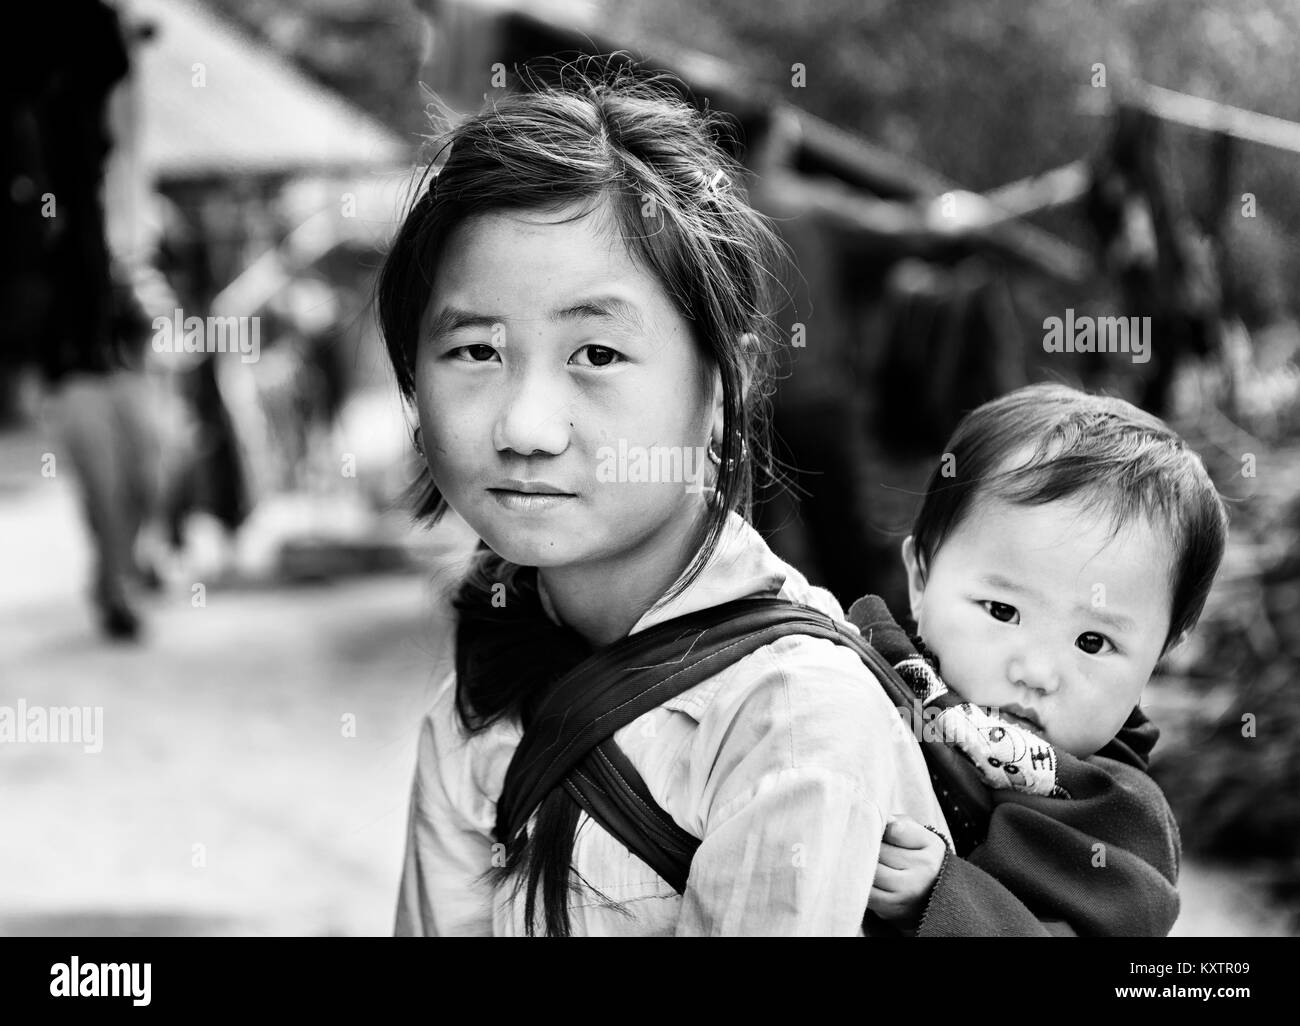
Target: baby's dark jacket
(1104, 860)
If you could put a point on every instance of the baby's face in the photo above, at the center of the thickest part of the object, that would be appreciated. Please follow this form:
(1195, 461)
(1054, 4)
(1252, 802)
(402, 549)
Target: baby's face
(1039, 612)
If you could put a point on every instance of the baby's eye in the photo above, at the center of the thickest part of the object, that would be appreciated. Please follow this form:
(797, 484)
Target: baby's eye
(1002, 612)
(478, 352)
(1093, 643)
(600, 356)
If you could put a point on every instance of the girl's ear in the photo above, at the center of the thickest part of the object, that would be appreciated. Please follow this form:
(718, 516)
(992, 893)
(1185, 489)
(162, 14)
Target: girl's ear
(719, 407)
(745, 341)
(748, 341)
(915, 578)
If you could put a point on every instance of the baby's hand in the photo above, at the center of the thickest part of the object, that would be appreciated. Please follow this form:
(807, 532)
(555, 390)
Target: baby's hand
(910, 859)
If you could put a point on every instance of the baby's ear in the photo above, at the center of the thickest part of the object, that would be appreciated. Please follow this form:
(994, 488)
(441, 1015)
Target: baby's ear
(915, 577)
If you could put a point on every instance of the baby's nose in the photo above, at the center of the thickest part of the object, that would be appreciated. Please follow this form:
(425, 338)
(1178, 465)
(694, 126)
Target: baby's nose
(1034, 670)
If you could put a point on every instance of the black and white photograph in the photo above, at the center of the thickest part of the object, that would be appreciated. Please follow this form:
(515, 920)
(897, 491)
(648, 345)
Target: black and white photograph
(651, 468)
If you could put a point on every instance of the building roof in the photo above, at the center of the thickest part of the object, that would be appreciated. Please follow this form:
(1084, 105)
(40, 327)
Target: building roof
(254, 113)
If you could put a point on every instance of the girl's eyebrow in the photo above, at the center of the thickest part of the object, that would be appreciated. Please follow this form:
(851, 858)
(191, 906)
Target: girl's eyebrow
(451, 318)
(611, 308)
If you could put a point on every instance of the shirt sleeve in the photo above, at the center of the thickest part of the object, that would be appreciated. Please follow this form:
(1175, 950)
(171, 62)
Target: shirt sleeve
(795, 858)
(792, 823)
(442, 893)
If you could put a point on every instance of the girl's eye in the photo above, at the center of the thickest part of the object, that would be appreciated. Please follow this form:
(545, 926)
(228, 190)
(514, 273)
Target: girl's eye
(478, 352)
(600, 356)
(1002, 612)
(1093, 643)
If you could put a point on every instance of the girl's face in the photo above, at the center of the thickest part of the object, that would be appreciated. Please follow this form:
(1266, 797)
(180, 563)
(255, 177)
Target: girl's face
(544, 352)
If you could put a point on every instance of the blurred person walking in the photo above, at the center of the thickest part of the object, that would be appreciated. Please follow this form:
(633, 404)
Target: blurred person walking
(105, 424)
(92, 322)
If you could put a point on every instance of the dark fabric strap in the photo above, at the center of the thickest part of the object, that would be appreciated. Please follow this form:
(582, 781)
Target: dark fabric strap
(613, 793)
(634, 675)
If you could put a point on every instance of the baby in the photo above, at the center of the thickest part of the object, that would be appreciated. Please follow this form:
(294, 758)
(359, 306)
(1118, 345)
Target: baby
(1065, 543)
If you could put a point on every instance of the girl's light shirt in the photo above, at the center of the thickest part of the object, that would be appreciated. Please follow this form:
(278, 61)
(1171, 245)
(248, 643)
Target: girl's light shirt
(786, 764)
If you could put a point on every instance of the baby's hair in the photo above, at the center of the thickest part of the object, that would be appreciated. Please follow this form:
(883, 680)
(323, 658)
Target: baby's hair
(1106, 452)
(591, 133)
(598, 131)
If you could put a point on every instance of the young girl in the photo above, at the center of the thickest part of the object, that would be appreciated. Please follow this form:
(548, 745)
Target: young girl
(583, 279)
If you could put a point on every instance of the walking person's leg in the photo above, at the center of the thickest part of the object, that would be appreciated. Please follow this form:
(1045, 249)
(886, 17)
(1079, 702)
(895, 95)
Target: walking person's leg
(87, 422)
(139, 446)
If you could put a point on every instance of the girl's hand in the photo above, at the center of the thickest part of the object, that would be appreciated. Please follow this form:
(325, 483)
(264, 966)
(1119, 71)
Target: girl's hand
(910, 859)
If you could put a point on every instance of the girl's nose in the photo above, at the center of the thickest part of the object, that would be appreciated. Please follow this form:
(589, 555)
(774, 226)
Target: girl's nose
(533, 419)
(1035, 670)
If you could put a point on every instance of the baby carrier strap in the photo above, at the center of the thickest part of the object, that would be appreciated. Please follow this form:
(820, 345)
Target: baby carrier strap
(619, 683)
(570, 741)
(613, 793)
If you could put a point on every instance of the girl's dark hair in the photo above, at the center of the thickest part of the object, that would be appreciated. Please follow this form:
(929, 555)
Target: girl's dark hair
(1117, 458)
(598, 132)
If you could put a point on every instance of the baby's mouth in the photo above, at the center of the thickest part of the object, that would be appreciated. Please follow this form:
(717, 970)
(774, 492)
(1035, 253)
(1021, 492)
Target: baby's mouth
(1024, 717)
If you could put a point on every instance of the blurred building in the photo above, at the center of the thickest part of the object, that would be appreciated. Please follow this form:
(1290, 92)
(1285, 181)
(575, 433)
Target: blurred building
(259, 194)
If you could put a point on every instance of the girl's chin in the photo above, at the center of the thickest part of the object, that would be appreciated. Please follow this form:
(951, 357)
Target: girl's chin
(536, 547)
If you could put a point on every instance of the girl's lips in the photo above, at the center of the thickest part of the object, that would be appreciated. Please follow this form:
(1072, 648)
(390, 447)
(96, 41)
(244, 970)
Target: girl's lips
(528, 502)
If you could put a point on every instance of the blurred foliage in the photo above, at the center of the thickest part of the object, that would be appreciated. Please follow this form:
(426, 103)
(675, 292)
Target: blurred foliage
(991, 91)
(1227, 705)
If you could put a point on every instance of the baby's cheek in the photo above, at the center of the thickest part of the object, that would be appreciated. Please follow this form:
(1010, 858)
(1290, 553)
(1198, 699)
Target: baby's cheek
(963, 673)
(1098, 721)
(963, 663)
(974, 686)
